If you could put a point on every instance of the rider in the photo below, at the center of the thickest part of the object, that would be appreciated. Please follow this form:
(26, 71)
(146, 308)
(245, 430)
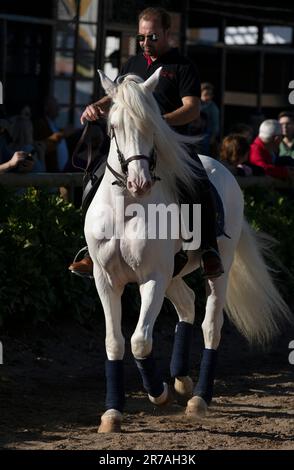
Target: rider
(178, 97)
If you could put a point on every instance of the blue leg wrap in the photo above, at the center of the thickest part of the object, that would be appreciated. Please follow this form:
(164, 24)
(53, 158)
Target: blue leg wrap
(115, 390)
(204, 387)
(152, 383)
(180, 361)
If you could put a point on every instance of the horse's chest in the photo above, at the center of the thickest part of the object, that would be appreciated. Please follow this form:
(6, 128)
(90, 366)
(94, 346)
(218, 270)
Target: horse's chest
(121, 258)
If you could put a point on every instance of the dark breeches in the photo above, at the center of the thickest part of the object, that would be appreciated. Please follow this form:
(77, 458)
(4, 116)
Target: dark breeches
(202, 195)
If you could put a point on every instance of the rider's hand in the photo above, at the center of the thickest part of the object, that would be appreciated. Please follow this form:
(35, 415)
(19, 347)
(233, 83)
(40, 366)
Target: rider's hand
(97, 110)
(92, 113)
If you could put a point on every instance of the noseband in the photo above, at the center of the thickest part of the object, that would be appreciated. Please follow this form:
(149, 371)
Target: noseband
(121, 180)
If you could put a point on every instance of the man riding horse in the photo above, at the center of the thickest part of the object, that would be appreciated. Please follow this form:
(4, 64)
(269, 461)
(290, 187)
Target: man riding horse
(178, 97)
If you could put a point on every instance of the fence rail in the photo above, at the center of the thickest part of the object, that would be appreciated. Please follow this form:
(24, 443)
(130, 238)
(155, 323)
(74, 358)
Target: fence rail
(74, 180)
(70, 181)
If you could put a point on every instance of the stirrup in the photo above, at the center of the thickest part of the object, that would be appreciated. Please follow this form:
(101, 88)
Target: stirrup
(82, 250)
(77, 273)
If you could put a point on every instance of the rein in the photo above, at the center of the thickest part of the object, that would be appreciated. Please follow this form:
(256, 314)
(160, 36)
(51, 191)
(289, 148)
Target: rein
(81, 141)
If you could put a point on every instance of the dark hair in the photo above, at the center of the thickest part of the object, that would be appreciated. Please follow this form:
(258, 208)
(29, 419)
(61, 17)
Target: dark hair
(243, 129)
(287, 114)
(156, 12)
(207, 86)
(240, 127)
(234, 147)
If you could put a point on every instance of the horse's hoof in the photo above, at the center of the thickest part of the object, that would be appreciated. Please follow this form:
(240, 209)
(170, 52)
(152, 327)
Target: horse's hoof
(164, 399)
(110, 421)
(196, 408)
(184, 389)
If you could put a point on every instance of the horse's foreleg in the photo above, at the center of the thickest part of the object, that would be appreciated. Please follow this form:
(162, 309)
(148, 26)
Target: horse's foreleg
(115, 346)
(183, 299)
(152, 295)
(211, 327)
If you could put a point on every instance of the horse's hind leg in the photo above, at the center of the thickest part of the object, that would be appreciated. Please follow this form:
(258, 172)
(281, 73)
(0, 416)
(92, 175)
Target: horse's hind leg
(183, 299)
(216, 294)
(115, 347)
(152, 295)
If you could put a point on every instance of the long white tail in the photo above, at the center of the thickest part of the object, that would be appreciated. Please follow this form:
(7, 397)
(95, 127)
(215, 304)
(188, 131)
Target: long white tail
(253, 302)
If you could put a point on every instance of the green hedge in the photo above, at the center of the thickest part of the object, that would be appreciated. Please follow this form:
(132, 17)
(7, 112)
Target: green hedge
(40, 234)
(273, 212)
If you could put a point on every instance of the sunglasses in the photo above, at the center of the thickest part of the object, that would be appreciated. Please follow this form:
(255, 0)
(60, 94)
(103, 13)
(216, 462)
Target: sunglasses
(152, 37)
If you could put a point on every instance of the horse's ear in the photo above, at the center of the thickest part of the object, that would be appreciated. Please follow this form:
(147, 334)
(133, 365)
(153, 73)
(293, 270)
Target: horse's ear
(152, 81)
(108, 85)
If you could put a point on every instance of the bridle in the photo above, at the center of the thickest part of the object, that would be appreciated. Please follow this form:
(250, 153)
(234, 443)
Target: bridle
(121, 180)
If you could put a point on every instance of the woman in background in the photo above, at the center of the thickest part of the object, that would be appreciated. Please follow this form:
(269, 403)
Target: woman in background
(234, 154)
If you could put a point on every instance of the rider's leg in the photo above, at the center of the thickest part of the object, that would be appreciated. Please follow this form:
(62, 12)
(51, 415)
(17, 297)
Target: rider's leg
(211, 261)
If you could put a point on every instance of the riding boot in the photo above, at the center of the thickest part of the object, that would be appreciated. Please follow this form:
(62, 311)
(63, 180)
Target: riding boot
(210, 259)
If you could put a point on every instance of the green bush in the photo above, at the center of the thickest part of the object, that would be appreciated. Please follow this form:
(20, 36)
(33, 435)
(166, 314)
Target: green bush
(39, 235)
(273, 212)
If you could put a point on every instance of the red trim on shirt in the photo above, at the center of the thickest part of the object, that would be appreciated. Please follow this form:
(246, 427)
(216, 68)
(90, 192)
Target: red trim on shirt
(148, 58)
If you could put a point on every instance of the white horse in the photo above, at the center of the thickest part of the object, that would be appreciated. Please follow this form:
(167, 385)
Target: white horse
(245, 289)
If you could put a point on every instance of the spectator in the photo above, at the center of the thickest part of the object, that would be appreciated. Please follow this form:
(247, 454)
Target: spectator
(46, 129)
(234, 153)
(19, 161)
(21, 131)
(264, 149)
(286, 119)
(11, 160)
(209, 107)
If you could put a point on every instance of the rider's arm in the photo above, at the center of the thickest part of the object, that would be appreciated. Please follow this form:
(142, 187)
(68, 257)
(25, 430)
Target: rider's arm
(188, 84)
(188, 112)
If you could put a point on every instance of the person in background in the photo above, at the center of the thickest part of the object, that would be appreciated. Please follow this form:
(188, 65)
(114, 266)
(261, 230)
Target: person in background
(21, 131)
(264, 150)
(46, 129)
(12, 160)
(234, 153)
(286, 148)
(211, 110)
(18, 162)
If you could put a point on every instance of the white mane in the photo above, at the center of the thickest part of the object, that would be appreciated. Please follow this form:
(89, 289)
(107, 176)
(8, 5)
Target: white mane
(135, 106)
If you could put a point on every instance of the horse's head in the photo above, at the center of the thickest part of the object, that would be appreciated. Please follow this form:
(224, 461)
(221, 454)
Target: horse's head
(132, 130)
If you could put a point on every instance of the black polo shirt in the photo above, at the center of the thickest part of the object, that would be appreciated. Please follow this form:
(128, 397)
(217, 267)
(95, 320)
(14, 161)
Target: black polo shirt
(178, 78)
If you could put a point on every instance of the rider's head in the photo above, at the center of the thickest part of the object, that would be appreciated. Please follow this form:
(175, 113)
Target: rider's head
(153, 34)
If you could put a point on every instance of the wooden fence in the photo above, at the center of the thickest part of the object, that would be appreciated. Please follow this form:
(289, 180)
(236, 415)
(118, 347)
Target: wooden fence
(72, 180)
